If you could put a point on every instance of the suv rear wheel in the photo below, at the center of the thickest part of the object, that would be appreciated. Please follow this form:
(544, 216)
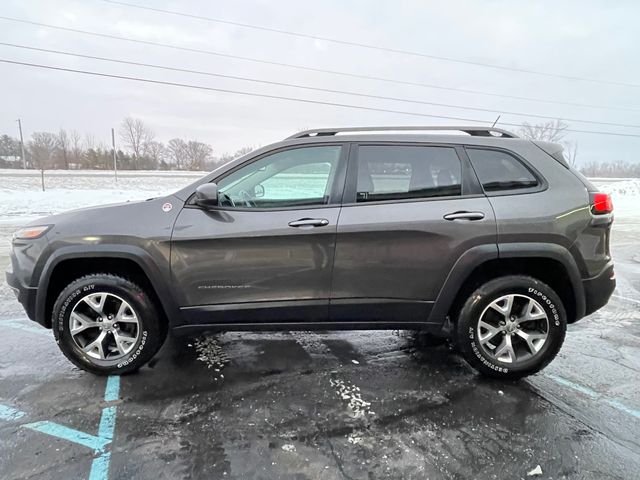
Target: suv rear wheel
(511, 327)
(106, 324)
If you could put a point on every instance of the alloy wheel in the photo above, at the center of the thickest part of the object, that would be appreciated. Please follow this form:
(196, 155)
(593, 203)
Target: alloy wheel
(513, 328)
(104, 326)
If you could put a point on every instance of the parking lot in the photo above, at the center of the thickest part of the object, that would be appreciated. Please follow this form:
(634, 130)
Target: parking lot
(343, 405)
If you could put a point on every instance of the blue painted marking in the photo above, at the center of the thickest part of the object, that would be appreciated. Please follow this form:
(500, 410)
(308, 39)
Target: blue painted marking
(112, 390)
(107, 423)
(568, 383)
(618, 405)
(100, 467)
(26, 325)
(10, 413)
(70, 434)
(100, 464)
(624, 408)
(99, 444)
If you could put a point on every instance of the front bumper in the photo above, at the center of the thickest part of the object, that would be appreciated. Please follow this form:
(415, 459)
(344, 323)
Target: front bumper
(598, 290)
(26, 295)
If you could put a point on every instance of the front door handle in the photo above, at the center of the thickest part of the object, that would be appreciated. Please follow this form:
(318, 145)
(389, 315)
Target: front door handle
(464, 216)
(309, 222)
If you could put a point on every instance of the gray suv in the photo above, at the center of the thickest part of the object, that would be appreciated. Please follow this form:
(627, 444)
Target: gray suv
(475, 235)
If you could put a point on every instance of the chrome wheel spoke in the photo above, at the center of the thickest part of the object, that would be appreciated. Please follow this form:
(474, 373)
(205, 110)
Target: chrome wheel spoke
(96, 348)
(505, 352)
(489, 332)
(534, 340)
(503, 305)
(125, 314)
(533, 312)
(79, 323)
(124, 343)
(96, 302)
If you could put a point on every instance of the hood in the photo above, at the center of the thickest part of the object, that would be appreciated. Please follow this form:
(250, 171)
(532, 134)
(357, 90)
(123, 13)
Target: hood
(146, 218)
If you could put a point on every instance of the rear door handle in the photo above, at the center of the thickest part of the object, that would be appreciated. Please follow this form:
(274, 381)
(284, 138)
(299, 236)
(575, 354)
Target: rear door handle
(309, 222)
(464, 216)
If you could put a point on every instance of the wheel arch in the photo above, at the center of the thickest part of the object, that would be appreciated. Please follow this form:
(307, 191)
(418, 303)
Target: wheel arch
(67, 264)
(549, 263)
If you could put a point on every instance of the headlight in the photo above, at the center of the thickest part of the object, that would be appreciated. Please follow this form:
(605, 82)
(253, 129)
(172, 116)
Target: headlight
(30, 233)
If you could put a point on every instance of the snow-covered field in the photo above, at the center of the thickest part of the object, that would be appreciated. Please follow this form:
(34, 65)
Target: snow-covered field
(22, 199)
(625, 195)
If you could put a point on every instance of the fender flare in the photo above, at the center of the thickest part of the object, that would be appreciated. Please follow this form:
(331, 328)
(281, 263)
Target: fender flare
(136, 254)
(476, 256)
(556, 252)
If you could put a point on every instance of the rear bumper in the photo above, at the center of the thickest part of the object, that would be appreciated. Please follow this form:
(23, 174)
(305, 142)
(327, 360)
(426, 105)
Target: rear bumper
(26, 295)
(598, 290)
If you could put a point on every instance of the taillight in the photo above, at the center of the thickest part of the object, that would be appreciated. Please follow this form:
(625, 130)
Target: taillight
(601, 203)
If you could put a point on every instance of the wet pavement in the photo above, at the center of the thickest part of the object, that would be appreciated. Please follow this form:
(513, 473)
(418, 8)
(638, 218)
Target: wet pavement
(343, 405)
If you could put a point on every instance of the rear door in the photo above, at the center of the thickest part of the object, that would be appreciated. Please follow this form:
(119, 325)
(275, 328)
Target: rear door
(410, 211)
(265, 254)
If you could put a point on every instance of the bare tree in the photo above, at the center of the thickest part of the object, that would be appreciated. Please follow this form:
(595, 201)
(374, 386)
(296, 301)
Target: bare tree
(571, 152)
(75, 142)
(156, 152)
(135, 135)
(42, 148)
(64, 147)
(196, 154)
(551, 131)
(176, 149)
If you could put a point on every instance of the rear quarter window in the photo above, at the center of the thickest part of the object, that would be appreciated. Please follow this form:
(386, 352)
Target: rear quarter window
(500, 171)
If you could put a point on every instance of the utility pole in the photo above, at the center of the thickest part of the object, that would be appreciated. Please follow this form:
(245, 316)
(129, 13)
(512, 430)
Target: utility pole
(24, 159)
(113, 144)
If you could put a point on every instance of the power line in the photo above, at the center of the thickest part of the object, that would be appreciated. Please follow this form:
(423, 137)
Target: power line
(280, 97)
(313, 69)
(318, 89)
(373, 47)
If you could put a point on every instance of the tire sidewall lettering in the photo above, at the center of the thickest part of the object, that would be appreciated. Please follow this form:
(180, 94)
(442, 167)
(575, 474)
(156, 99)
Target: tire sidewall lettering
(547, 301)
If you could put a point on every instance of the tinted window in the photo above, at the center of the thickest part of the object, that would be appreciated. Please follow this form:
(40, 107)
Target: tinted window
(500, 171)
(297, 177)
(393, 173)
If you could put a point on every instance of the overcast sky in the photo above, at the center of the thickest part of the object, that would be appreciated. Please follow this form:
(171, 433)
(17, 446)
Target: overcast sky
(595, 40)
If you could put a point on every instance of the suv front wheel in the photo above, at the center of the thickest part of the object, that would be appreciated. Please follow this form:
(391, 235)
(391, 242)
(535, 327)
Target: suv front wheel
(511, 327)
(106, 324)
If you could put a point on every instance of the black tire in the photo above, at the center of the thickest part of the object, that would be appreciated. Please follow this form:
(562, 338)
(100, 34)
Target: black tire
(151, 334)
(471, 312)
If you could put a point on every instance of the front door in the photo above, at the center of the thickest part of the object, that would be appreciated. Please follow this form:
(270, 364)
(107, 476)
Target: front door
(265, 254)
(410, 211)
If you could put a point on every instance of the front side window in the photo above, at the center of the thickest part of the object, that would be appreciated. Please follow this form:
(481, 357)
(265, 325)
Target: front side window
(296, 177)
(499, 171)
(405, 172)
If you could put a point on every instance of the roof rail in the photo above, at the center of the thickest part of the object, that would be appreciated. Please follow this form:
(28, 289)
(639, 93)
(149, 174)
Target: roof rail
(473, 131)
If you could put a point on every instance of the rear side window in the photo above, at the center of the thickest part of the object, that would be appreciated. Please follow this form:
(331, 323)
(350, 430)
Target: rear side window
(499, 171)
(405, 172)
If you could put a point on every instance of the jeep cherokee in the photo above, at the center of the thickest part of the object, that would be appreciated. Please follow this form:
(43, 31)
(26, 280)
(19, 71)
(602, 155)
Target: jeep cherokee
(471, 234)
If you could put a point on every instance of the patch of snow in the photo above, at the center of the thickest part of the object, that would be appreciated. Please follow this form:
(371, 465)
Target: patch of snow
(289, 448)
(535, 472)
(355, 362)
(351, 394)
(622, 188)
(211, 354)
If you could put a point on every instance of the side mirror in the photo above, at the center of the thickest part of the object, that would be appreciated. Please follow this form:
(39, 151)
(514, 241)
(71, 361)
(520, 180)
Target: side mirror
(207, 195)
(258, 191)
